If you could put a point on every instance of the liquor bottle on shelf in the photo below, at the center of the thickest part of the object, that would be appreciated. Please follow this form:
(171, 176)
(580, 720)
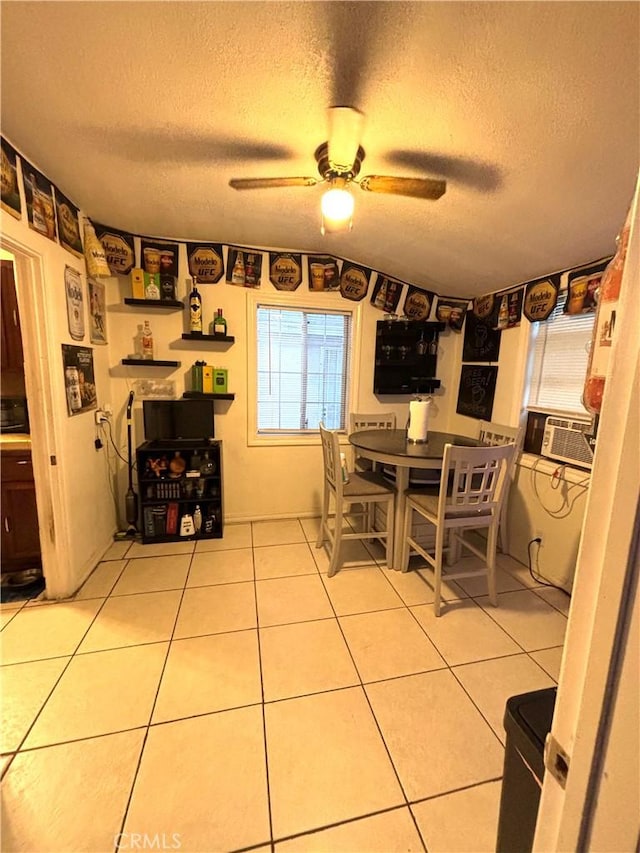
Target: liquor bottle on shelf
(137, 343)
(197, 518)
(195, 309)
(238, 272)
(219, 324)
(208, 466)
(147, 342)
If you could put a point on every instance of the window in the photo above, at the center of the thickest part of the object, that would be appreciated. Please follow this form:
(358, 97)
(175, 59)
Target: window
(560, 359)
(302, 364)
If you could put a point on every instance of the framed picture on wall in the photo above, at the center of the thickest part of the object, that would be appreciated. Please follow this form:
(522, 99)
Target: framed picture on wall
(476, 391)
(97, 312)
(79, 380)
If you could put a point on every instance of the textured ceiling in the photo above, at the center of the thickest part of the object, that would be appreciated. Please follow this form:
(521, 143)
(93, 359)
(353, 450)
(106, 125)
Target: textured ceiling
(141, 112)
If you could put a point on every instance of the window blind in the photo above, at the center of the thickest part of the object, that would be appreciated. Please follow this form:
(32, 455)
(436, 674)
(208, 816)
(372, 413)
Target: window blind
(303, 366)
(560, 360)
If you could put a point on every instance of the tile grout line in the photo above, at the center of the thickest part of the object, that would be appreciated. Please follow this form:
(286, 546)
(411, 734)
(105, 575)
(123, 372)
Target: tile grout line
(262, 703)
(57, 681)
(375, 719)
(153, 706)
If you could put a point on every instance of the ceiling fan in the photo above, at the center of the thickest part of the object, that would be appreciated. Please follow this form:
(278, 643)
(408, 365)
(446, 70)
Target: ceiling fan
(339, 161)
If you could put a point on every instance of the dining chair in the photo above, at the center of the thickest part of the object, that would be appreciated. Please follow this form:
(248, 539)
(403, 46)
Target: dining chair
(358, 422)
(366, 488)
(492, 434)
(472, 488)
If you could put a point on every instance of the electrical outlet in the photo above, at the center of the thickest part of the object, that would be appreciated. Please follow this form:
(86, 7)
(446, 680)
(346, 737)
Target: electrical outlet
(101, 416)
(537, 534)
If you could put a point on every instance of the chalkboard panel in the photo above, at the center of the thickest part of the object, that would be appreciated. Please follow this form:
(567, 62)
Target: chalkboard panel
(481, 341)
(476, 392)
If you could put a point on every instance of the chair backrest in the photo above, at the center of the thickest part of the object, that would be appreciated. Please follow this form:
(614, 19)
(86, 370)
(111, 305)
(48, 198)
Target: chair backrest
(383, 420)
(494, 435)
(473, 480)
(331, 459)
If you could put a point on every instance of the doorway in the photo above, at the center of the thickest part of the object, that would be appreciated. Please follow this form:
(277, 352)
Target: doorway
(27, 269)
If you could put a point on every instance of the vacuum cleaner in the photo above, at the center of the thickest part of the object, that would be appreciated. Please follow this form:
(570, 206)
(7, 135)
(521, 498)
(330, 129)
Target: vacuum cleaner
(131, 499)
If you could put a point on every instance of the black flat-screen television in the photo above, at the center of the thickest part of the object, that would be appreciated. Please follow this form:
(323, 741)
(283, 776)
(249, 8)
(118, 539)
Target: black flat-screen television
(178, 420)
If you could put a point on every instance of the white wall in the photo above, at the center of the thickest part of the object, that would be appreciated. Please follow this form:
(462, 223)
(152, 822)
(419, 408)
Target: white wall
(539, 504)
(265, 481)
(85, 511)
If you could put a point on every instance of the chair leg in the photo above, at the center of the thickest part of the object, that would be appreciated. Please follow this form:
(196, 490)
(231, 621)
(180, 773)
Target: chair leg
(337, 541)
(390, 534)
(323, 520)
(438, 568)
(406, 530)
(492, 542)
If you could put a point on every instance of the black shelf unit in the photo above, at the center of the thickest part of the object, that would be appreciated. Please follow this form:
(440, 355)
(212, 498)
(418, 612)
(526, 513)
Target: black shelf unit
(406, 357)
(200, 395)
(169, 494)
(154, 303)
(150, 362)
(211, 339)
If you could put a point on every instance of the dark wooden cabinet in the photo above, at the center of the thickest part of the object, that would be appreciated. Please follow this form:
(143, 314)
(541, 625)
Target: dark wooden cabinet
(175, 479)
(20, 536)
(406, 357)
(11, 345)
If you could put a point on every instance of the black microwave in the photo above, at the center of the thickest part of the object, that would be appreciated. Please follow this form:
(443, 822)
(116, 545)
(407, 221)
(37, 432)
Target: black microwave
(14, 416)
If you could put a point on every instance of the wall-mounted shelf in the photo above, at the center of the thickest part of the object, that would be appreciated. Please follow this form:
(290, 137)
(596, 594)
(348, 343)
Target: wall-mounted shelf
(406, 357)
(216, 339)
(154, 303)
(200, 395)
(148, 362)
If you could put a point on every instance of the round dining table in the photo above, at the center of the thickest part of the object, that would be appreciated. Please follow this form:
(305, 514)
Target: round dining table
(391, 447)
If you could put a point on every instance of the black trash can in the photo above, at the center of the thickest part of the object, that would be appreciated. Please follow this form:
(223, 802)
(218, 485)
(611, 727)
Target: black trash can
(527, 721)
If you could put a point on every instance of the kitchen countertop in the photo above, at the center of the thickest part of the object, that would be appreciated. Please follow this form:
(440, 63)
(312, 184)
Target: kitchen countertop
(15, 441)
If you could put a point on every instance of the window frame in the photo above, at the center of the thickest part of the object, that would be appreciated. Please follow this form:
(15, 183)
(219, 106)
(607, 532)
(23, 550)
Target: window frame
(530, 406)
(324, 303)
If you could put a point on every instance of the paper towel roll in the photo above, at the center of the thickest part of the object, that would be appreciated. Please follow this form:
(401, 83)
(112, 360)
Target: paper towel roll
(418, 420)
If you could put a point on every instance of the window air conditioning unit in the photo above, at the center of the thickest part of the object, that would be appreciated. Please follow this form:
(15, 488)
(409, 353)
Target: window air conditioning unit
(568, 441)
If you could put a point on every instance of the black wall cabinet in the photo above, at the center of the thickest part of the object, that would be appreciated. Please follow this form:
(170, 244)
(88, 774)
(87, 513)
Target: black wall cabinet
(406, 357)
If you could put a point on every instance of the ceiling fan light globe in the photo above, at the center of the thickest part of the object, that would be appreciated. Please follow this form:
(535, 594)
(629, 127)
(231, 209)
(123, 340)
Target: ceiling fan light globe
(337, 205)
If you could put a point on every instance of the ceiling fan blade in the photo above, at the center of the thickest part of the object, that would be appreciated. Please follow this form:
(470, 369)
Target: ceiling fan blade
(268, 183)
(345, 130)
(430, 188)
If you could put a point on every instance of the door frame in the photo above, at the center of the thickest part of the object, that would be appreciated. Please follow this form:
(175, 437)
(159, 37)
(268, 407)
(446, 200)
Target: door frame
(36, 339)
(599, 642)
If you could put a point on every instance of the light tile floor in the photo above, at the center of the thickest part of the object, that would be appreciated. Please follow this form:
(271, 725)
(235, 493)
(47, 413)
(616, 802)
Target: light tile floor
(230, 696)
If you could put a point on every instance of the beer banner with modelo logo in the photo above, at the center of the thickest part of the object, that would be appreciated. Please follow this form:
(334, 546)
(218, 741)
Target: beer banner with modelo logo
(205, 262)
(323, 273)
(118, 248)
(582, 287)
(509, 308)
(452, 312)
(485, 308)
(38, 194)
(159, 256)
(10, 193)
(417, 303)
(540, 298)
(244, 267)
(285, 270)
(386, 293)
(68, 224)
(354, 281)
